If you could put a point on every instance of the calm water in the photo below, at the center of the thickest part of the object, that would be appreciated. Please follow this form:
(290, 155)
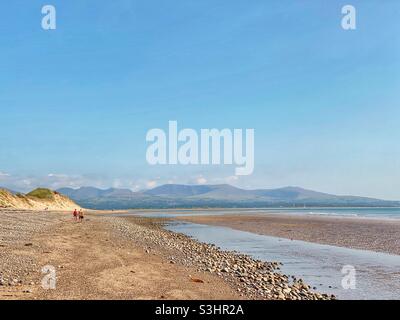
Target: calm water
(377, 274)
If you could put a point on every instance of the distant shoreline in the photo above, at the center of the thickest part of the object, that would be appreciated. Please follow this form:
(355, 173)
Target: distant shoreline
(364, 233)
(233, 208)
(268, 211)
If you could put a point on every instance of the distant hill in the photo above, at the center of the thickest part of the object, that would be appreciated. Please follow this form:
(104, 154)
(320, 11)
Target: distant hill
(38, 199)
(178, 190)
(223, 195)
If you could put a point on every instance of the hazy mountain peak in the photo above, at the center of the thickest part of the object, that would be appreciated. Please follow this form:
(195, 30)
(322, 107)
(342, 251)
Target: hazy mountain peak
(220, 195)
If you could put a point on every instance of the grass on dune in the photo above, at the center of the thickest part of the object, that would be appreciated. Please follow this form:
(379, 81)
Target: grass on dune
(41, 193)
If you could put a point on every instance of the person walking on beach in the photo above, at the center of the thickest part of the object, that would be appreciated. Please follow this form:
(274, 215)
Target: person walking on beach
(75, 215)
(81, 216)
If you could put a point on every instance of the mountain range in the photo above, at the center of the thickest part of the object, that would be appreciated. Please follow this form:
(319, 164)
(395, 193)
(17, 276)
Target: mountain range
(223, 195)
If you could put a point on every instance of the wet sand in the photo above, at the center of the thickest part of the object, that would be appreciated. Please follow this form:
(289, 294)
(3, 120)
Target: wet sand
(356, 233)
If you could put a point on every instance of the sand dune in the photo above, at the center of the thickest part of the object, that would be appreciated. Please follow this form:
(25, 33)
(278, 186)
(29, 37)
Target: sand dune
(39, 199)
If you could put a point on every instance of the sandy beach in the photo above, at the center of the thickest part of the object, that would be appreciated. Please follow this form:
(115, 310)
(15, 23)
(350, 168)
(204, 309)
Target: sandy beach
(108, 257)
(92, 261)
(357, 233)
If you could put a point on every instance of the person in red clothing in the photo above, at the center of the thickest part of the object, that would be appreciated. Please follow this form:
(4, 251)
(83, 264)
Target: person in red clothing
(75, 214)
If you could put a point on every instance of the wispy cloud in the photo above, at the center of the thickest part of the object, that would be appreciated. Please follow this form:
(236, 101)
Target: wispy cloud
(151, 184)
(3, 174)
(201, 180)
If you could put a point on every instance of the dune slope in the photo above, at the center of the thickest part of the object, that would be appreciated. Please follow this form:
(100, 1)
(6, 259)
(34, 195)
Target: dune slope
(39, 199)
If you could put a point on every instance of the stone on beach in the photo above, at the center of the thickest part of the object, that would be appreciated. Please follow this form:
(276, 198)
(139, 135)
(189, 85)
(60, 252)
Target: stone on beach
(254, 278)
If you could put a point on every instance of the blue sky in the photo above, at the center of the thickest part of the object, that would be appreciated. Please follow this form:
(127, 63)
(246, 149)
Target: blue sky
(76, 103)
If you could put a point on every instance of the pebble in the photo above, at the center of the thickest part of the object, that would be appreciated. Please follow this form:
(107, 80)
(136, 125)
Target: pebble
(253, 278)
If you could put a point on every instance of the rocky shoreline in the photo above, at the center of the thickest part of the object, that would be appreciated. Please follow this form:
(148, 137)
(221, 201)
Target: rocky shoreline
(253, 279)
